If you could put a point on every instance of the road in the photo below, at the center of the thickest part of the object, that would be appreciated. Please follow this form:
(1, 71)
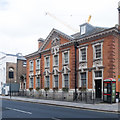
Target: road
(18, 109)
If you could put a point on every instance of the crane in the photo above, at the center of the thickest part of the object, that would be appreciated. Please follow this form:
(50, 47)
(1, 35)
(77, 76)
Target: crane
(62, 22)
(89, 18)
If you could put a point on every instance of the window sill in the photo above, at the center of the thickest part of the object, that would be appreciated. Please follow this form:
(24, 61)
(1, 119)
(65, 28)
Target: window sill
(55, 65)
(83, 61)
(96, 59)
(65, 64)
(37, 69)
(47, 67)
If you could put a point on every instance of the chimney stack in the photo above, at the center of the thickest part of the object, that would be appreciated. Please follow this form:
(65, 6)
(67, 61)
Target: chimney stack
(40, 42)
(119, 12)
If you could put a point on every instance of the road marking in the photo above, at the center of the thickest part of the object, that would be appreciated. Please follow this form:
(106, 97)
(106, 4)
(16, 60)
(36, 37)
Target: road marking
(55, 118)
(18, 110)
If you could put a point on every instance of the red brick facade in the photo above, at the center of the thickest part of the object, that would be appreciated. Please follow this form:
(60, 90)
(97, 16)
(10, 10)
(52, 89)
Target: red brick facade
(60, 45)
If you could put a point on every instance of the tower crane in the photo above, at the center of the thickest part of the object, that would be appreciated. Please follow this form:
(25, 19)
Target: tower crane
(89, 18)
(60, 21)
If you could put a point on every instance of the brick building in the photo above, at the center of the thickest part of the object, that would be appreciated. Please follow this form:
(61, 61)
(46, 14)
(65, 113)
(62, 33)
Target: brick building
(15, 65)
(80, 61)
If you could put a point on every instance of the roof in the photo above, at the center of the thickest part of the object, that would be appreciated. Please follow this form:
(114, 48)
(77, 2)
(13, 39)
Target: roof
(110, 79)
(60, 33)
(89, 31)
(18, 55)
(32, 54)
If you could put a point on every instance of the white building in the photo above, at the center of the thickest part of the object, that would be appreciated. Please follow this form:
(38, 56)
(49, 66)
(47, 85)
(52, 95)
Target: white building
(8, 62)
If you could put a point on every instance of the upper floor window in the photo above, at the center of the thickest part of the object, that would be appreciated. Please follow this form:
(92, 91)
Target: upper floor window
(38, 64)
(55, 60)
(31, 65)
(98, 51)
(47, 62)
(83, 54)
(65, 58)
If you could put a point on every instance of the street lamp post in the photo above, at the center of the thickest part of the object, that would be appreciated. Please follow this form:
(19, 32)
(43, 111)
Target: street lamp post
(11, 76)
(75, 45)
(10, 88)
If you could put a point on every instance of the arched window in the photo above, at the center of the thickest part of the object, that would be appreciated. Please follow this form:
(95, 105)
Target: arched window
(11, 73)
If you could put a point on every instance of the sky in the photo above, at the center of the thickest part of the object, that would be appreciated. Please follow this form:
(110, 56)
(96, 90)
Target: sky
(23, 22)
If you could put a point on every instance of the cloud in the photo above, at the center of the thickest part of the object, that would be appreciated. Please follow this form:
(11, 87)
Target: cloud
(3, 4)
(22, 22)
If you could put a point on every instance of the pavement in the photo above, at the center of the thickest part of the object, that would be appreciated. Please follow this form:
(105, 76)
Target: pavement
(106, 107)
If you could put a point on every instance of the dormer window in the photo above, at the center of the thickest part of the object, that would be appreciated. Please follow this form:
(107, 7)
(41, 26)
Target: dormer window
(82, 29)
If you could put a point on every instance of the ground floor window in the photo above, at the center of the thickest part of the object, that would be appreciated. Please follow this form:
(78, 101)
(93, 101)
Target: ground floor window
(47, 81)
(66, 80)
(38, 82)
(55, 80)
(83, 79)
(31, 83)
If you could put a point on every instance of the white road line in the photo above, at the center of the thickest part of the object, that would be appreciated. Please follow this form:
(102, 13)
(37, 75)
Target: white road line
(55, 118)
(18, 110)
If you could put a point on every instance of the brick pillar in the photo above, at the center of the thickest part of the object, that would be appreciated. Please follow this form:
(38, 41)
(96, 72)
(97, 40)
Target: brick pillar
(111, 58)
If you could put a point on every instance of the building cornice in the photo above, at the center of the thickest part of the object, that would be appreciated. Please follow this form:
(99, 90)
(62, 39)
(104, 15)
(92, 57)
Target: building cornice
(98, 35)
(32, 54)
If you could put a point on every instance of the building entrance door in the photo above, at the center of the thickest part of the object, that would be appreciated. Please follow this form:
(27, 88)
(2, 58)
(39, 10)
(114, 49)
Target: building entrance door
(98, 89)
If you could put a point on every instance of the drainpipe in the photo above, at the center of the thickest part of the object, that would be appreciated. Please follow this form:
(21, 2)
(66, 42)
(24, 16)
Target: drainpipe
(40, 71)
(75, 45)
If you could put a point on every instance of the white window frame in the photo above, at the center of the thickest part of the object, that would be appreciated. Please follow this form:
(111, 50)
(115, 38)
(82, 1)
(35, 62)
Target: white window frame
(86, 79)
(31, 64)
(83, 29)
(94, 52)
(80, 54)
(63, 81)
(30, 85)
(54, 81)
(37, 65)
(54, 60)
(46, 62)
(37, 82)
(46, 82)
(63, 54)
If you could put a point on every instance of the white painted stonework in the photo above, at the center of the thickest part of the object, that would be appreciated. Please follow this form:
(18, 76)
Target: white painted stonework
(4, 58)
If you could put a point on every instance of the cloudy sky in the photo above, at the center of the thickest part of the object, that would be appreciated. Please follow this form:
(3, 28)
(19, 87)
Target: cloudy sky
(23, 22)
